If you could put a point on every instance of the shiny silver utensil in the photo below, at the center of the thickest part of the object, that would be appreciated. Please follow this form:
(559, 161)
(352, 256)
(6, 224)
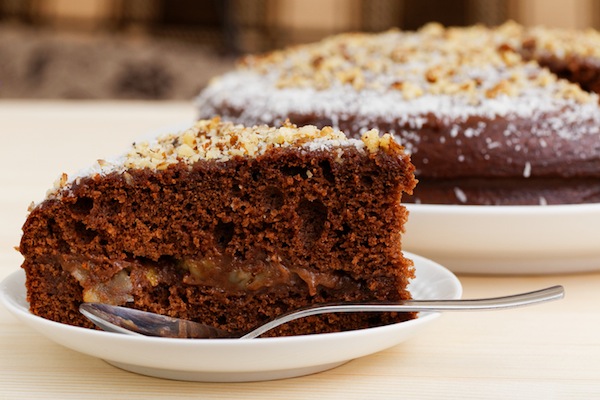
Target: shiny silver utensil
(134, 322)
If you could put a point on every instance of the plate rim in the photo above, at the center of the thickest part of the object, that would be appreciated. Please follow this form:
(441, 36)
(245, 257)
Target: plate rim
(501, 240)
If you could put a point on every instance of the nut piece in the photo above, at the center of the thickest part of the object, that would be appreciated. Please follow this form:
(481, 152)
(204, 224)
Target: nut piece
(371, 140)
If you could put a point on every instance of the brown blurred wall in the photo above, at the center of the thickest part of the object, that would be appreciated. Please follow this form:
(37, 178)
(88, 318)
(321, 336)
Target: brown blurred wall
(170, 49)
(263, 24)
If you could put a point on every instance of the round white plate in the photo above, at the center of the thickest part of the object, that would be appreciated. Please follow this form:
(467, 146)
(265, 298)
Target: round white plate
(506, 239)
(235, 360)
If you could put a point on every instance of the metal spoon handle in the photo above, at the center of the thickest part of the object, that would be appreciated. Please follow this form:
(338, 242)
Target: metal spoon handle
(135, 322)
(494, 303)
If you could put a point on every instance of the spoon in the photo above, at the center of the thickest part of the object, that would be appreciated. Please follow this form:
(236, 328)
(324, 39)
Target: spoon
(134, 322)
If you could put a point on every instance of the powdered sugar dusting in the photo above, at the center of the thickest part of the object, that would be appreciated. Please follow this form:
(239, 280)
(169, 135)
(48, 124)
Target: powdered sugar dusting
(460, 195)
(527, 170)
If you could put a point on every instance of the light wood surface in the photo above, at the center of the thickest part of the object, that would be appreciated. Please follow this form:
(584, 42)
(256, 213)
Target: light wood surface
(551, 351)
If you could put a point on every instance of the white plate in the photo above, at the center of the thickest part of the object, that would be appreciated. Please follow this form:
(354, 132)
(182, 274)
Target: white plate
(506, 239)
(232, 360)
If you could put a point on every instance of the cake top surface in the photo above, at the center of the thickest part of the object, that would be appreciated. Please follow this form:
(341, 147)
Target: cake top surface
(408, 79)
(217, 140)
(563, 43)
(220, 141)
(476, 63)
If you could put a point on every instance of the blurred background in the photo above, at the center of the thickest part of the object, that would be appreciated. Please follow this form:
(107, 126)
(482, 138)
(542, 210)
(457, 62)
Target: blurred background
(161, 49)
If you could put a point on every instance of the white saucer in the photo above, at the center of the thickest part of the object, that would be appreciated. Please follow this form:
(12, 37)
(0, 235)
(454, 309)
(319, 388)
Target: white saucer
(506, 239)
(234, 360)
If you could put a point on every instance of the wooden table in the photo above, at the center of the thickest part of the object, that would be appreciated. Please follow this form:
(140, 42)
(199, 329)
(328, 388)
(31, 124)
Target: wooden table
(551, 351)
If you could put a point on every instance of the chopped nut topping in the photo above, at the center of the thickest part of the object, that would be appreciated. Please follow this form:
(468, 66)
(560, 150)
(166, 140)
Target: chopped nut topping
(564, 42)
(220, 141)
(59, 183)
(474, 62)
(374, 142)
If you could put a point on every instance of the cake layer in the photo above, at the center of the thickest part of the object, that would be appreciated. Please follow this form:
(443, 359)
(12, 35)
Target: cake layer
(231, 233)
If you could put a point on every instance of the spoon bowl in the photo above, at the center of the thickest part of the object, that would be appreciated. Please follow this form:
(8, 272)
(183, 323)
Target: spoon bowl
(135, 322)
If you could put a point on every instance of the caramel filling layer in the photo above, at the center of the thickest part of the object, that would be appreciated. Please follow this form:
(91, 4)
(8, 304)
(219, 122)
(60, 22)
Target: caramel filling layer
(89, 273)
(261, 272)
(110, 281)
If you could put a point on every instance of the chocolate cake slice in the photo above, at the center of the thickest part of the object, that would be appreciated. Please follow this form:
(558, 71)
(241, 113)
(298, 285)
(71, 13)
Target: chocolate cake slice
(227, 225)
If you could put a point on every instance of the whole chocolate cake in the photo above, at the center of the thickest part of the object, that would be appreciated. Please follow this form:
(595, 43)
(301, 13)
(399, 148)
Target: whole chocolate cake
(227, 225)
(483, 112)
